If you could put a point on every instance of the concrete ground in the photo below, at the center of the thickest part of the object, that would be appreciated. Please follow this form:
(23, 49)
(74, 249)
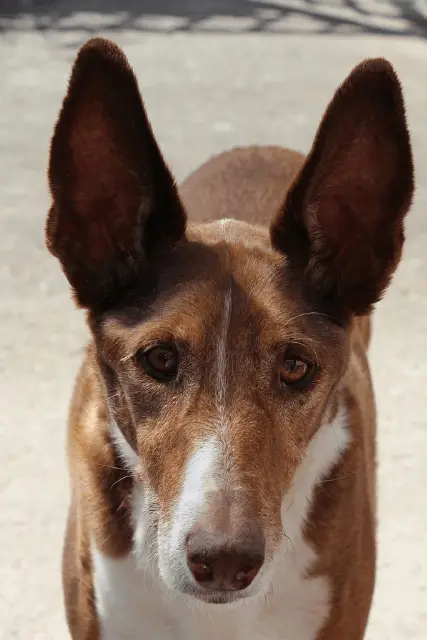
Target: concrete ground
(214, 75)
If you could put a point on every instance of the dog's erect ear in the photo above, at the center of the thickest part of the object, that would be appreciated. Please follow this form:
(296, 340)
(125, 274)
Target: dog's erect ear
(342, 222)
(114, 199)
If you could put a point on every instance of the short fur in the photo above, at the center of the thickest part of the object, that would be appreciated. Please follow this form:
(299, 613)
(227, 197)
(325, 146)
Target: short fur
(233, 296)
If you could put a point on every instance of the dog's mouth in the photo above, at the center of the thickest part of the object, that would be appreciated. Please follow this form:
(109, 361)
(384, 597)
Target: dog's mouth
(215, 597)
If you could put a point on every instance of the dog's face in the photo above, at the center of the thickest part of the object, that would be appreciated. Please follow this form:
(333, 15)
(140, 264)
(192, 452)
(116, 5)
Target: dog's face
(221, 345)
(218, 385)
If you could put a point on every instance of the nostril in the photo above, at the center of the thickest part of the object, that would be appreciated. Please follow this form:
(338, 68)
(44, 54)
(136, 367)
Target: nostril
(200, 568)
(245, 575)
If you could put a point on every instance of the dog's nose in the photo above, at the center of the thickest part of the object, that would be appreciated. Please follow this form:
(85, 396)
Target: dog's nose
(222, 564)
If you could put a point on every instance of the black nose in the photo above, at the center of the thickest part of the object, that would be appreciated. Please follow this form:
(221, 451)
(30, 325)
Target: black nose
(222, 564)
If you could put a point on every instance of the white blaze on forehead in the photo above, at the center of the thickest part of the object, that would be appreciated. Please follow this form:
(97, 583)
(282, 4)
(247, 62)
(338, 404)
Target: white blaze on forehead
(221, 358)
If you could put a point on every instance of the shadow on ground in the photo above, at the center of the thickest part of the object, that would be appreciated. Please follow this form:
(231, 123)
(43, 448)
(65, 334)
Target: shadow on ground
(386, 17)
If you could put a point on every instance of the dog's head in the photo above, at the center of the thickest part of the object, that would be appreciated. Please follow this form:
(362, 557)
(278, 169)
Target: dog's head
(221, 345)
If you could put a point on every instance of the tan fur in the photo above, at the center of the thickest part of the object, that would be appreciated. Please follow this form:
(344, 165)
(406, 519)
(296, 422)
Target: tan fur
(338, 500)
(309, 281)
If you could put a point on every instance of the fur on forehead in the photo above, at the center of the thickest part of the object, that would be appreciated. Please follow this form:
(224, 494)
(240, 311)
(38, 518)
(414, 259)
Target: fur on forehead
(263, 295)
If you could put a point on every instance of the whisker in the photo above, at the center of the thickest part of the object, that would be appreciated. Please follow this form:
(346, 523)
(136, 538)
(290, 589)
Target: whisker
(120, 480)
(108, 466)
(121, 505)
(313, 349)
(348, 475)
(288, 538)
(289, 505)
(307, 313)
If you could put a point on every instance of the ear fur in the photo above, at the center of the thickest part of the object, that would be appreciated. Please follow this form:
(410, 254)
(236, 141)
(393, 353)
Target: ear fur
(341, 225)
(114, 201)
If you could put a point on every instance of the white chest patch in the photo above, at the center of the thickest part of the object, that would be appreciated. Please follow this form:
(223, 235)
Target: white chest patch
(133, 603)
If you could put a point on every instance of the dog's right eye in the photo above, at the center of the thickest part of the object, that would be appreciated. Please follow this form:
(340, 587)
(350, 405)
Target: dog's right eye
(160, 362)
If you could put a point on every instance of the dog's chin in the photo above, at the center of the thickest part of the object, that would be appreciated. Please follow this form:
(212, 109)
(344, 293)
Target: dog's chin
(218, 599)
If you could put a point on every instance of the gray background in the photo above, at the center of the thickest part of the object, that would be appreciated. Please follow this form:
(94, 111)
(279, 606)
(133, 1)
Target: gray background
(214, 74)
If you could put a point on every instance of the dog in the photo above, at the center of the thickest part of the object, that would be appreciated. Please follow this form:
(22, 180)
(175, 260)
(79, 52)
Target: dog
(222, 428)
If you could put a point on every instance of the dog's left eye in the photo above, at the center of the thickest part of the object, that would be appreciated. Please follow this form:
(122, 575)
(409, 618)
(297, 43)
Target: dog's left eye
(160, 362)
(296, 372)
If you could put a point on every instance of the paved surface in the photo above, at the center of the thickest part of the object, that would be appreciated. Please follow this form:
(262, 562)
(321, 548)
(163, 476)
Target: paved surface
(214, 74)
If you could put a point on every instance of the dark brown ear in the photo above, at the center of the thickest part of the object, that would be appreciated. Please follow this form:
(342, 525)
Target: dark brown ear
(114, 199)
(342, 223)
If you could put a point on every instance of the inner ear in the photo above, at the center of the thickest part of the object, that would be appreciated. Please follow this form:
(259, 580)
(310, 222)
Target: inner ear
(115, 202)
(341, 225)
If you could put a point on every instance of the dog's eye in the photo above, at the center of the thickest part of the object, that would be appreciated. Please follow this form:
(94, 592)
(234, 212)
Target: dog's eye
(296, 372)
(160, 362)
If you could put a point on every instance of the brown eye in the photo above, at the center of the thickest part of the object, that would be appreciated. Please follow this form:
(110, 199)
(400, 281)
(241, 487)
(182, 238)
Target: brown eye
(295, 372)
(160, 362)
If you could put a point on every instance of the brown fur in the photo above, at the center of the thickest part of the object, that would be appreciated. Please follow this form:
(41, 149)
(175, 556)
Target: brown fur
(311, 280)
(369, 152)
